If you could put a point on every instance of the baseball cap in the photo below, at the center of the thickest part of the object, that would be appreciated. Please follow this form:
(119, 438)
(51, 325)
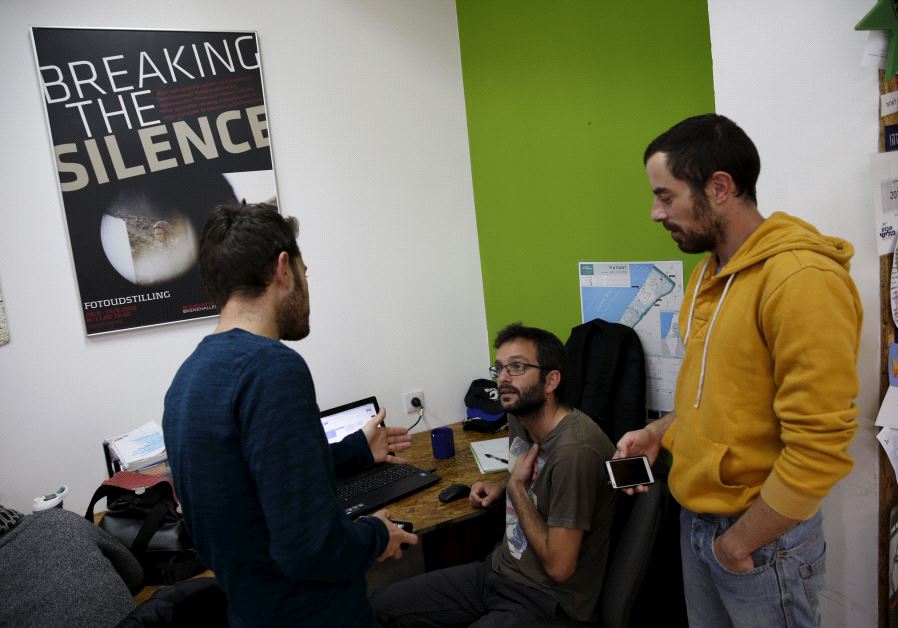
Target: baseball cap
(484, 410)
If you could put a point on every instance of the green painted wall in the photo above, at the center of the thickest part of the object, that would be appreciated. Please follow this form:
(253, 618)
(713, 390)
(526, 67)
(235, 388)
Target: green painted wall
(562, 98)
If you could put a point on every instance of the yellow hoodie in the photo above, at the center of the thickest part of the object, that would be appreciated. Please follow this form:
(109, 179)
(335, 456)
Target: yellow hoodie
(765, 395)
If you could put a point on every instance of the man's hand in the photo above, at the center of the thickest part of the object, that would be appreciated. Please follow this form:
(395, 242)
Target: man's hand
(757, 526)
(645, 442)
(485, 493)
(385, 441)
(398, 536)
(639, 443)
(731, 557)
(525, 467)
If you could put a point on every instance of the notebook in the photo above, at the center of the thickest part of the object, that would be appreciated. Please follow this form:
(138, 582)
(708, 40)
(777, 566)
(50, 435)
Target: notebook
(379, 484)
(491, 455)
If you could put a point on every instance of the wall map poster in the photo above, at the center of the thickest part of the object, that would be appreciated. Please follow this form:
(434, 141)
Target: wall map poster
(150, 131)
(647, 297)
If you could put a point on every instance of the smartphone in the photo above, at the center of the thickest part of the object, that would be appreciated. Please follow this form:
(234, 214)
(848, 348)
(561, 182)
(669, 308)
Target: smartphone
(404, 525)
(407, 526)
(626, 472)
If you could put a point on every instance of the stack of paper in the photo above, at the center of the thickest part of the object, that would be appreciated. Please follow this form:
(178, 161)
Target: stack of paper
(491, 455)
(140, 448)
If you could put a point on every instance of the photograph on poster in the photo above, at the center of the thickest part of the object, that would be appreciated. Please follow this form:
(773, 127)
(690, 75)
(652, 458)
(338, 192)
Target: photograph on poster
(150, 131)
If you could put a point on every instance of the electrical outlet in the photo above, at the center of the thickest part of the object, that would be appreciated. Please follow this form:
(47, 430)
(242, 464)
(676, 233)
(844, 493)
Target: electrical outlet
(409, 396)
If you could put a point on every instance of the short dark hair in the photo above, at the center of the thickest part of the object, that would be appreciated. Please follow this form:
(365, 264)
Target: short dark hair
(549, 349)
(240, 246)
(699, 146)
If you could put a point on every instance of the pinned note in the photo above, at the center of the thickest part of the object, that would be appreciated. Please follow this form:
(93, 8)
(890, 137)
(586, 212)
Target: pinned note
(888, 104)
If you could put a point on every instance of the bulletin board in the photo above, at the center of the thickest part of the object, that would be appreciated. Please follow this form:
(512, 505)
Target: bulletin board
(888, 488)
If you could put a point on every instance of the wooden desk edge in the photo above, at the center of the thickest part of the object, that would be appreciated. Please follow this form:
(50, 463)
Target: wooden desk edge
(423, 508)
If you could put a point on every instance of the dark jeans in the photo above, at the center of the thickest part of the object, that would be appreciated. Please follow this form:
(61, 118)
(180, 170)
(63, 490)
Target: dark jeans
(465, 595)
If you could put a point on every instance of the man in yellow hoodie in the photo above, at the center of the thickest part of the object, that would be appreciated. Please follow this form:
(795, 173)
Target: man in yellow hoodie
(764, 407)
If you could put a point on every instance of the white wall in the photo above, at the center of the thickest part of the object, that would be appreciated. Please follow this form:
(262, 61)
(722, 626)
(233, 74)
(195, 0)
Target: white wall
(790, 74)
(370, 145)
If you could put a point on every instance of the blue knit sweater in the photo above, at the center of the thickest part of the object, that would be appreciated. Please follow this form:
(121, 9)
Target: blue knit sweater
(255, 477)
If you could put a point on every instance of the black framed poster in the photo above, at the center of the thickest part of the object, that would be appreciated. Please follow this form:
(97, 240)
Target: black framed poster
(151, 129)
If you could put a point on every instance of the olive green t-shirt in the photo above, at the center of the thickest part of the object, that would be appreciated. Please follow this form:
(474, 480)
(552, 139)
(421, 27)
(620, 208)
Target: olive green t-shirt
(571, 490)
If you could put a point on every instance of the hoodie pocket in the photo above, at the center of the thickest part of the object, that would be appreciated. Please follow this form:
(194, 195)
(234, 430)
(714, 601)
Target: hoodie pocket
(696, 478)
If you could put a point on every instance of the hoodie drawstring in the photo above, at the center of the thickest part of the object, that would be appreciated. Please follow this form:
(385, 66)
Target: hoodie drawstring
(698, 284)
(726, 288)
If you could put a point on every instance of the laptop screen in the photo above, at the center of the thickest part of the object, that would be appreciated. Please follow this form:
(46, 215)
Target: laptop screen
(343, 420)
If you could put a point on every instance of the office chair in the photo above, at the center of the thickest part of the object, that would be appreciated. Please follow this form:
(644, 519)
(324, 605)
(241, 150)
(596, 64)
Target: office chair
(634, 533)
(631, 552)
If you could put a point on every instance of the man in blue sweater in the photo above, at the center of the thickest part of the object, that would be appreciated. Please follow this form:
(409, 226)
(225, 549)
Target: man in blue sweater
(250, 460)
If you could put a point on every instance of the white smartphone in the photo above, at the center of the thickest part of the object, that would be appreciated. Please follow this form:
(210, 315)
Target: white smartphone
(626, 472)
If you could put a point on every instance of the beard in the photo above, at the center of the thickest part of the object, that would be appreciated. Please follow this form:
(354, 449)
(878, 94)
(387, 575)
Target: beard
(707, 234)
(528, 401)
(293, 316)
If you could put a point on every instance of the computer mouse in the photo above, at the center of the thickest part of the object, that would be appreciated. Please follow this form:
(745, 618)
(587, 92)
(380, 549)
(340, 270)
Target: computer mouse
(453, 492)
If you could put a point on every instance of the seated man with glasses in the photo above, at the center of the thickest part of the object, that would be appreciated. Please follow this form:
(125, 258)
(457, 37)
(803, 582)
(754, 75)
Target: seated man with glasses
(559, 507)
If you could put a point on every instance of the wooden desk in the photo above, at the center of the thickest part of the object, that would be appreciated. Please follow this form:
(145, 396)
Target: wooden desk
(453, 533)
(423, 508)
(450, 534)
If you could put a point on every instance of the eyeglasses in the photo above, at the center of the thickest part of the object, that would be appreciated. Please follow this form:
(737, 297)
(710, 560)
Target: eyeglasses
(515, 368)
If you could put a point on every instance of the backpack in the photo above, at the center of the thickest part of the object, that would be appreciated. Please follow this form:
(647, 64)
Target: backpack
(606, 376)
(144, 515)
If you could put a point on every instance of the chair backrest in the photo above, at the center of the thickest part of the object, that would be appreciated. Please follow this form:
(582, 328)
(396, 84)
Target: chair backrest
(606, 376)
(634, 533)
(637, 524)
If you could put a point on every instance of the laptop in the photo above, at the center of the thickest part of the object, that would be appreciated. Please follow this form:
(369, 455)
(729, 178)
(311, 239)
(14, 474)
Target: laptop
(379, 484)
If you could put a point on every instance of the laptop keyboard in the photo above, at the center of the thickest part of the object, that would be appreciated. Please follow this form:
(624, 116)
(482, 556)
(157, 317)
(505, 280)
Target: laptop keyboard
(366, 484)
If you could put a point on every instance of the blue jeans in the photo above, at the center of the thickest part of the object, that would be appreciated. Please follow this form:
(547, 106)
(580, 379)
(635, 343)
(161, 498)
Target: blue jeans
(782, 589)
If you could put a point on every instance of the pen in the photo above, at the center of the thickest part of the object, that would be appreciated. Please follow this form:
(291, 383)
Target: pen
(496, 458)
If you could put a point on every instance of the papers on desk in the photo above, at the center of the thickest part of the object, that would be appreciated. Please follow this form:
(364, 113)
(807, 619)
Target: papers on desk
(491, 455)
(140, 449)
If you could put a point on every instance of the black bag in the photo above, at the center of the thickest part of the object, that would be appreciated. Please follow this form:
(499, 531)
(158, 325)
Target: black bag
(606, 376)
(143, 514)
